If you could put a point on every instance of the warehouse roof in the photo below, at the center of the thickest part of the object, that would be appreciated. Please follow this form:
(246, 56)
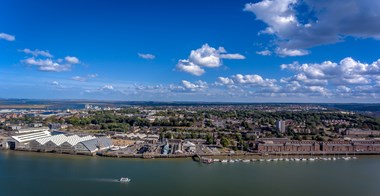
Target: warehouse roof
(31, 136)
(61, 138)
(97, 143)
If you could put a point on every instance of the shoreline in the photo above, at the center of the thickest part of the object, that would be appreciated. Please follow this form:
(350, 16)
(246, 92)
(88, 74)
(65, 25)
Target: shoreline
(197, 157)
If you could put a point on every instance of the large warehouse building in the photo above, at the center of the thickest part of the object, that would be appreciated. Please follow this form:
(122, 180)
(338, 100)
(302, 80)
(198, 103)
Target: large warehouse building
(44, 141)
(72, 144)
(23, 141)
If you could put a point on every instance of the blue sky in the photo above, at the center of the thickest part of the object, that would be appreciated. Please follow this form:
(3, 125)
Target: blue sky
(243, 51)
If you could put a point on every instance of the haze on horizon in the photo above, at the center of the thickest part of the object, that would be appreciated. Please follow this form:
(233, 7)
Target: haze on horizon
(223, 51)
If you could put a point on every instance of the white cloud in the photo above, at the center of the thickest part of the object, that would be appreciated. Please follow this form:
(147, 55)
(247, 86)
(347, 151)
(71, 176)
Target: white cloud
(72, 59)
(37, 52)
(205, 56)
(57, 85)
(300, 24)
(318, 89)
(146, 56)
(253, 80)
(302, 78)
(79, 78)
(107, 87)
(232, 56)
(198, 85)
(189, 67)
(347, 72)
(264, 52)
(47, 65)
(291, 52)
(343, 89)
(225, 80)
(84, 78)
(7, 37)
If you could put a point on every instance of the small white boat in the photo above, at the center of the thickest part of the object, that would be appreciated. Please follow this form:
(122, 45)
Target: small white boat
(224, 161)
(286, 159)
(124, 180)
(232, 161)
(216, 160)
(246, 161)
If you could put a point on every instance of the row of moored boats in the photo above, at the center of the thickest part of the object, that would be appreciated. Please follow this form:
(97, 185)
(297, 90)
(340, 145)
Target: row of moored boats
(279, 159)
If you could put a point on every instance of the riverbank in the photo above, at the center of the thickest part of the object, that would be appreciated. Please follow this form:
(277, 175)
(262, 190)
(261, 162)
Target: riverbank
(220, 156)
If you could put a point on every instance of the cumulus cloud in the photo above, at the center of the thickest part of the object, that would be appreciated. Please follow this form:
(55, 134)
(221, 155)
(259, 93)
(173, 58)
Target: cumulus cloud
(253, 80)
(107, 87)
(346, 79)
(205, 56)
(37, 52)
(189, 67)
(47, 65)
(264, 52)
(7, 37)
(198, 85)
(72, 59)
(44, 61)
(225, 80)
(291, 52)
(347, 71)
(300, 24)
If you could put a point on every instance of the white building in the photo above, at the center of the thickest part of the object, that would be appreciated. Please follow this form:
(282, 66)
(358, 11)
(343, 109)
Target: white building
(58, 143)
(31, 130)
(280, 125)
(23, 141)
(92, 146)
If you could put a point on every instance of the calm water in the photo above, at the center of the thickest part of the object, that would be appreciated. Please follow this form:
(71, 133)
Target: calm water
(23, 173)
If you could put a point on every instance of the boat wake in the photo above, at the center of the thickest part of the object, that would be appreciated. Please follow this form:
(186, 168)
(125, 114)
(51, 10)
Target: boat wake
(105, 180)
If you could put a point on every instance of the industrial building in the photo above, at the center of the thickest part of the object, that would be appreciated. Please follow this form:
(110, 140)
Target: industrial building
(92, 146)
(45, 141)
(72, 144)
(23, 141)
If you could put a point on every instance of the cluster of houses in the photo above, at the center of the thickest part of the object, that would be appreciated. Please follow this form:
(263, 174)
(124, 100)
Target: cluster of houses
(274, 145)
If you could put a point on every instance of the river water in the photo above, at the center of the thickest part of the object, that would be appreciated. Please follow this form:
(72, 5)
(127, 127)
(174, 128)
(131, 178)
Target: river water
(26, 173)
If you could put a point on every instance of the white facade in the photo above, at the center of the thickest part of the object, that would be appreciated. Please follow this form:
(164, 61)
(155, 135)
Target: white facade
(280, 125)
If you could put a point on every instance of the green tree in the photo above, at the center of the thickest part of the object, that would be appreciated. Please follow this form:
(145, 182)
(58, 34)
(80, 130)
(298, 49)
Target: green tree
(225, 142)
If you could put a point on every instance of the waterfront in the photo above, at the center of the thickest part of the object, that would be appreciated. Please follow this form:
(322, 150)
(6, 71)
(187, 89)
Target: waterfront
(25, 173)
